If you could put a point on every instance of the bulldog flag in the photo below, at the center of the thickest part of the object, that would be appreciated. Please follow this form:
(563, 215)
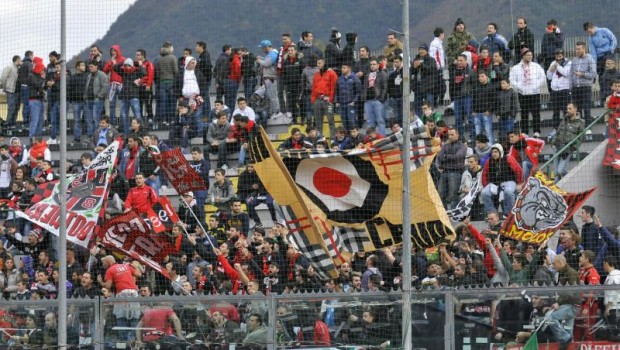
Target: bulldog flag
(86, 194)
(130, 235)
(540, 210)
(179, 172)
(337, 203)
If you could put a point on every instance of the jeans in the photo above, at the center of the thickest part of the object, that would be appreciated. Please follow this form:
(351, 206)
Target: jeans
(146, 102)
(449, 183)
(200, 126)
(582, 97)
(92, 113)
(166, 101)
(560, 164)
(506, 124)
(154, 183)
(321, 108)
(254, 201)
(374, 114)
(79, 112)
(230, 88)
(36, 118)
(566, 313)
(397, 106)
(559, 101)
(307, 109)
(271, 92)
(462, 110)
(509, 188)
(113, 106)
(249, 84)
(201, 198)
(25, 93)
(13, 102)
(348, 116)
(526, 165)
(242, 155)
(134, 104)
(54, 115)
(482, 120)
(224, 149)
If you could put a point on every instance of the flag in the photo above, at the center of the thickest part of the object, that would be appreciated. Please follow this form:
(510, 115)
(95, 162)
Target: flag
(86, 194)
(466, 203)
(541, 208)
(132, 236)
(337, 203)
(612, 152)
(532, 343)
(43, 191)
(162, 215)
(179, 172)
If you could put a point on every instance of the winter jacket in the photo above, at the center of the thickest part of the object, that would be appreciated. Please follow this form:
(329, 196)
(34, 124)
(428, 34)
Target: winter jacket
(456, 43)
(550, 42)
(528, 146)
(221, 71)
(333, 54)
(501, 170)
(36, 87)
(310, 52)
(141, 199)
(307, 79)
(484, 98)
(129, 75)
(291, 72)
(348, 53)
(603, 42)
(527, 86)
(235, 68)
(497, 43)
(348, 89)
(8, 81)
(149, 77)
(76, 86)
(567, 131)
(217, 132)
(268, 64)
(205, 66)
(109, 66)
(379, 90)
(451, 158)
(522, 39)
(507, 103)
(395, 84)
(324, 84)
(561, 78)
(224, 191)
(424, 78)
(24, 70)
(100, 85)
(461, 81)
(166, 68)
(607, 78)
(202, 83)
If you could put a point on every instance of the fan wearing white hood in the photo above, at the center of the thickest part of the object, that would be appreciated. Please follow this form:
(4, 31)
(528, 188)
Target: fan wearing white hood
(501, 172)
(191, 86)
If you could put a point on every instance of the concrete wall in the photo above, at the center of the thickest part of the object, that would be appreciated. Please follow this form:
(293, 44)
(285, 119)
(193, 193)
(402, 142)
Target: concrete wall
(591, 173)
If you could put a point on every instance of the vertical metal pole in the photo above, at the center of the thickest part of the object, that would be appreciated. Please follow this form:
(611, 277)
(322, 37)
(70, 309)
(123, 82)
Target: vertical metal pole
(98, 331)
(449, 331)
(406, 287)
(62, 230)
(271, 327)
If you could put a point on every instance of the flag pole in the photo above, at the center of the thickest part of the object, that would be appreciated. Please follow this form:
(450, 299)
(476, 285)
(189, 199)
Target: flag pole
(198, 221)
(405, 155)
(62, 229)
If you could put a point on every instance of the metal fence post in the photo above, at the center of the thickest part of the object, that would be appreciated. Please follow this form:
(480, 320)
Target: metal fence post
(98, 331)
(271, 326)
(449, 336)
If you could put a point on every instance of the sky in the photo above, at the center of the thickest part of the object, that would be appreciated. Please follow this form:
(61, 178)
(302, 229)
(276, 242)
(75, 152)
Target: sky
(35, 25)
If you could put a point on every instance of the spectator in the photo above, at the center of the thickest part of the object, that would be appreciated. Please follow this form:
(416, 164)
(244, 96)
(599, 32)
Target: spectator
(191, 87)
(611, 312)
(608, 77)
(105, 133)
(348, 92)
(501, 172)
(451, 160)
(484, 104)
(525, 151)
(221, 193)
(570, 127)
(164, 323)
(552, 40)
(291, 73)
(583, 75)
(374, 94)
(142, 197)
(496, 42)
(528, 77)
(602, 43)
(522, 39)
(8, 83)
(559, 74)
(166, 71)
(129, 94)
(424, 78)
(462, 80)
(257, 332)
(267, 63)
(322, 98)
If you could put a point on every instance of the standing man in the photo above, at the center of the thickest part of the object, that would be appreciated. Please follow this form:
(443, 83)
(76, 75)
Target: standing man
(116, 81)
(423, 78)
(224, 85)
(248, 72)
(166, 71)
(285, 105)
(374, 94)
(361, 69)
(121, 277)
(395, 89)
(496, 42)
(307, 48)
(602, 44)
(267, 63)
(522, 39)
(8, 82)
(393, 48)
(612, 295)
(322, 97)
(461, 82)
(94, 95)
(22, 81)
(451, 161)
(457, 41)
(75, 95)
(559, 74)
(528, 78)
(552, 40)
(140, 198)
(205, 66)
(583, 74)
(436, 52)
(348, 91)
(333, 51)
(484, 105)
(146, 86)
(569, 128)
(290, 81)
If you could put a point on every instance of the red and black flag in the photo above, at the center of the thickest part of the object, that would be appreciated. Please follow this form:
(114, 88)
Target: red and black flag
(179, 172)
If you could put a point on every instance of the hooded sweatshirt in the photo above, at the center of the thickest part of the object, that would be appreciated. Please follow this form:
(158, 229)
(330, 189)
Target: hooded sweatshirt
(109, 66)
(501, 170)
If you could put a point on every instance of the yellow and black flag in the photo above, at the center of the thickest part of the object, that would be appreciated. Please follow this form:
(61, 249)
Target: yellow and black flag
(338, 203)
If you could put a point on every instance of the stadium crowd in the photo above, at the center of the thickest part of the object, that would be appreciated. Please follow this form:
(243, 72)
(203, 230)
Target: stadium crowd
(230, 251)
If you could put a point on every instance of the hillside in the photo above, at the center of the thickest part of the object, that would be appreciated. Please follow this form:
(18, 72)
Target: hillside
(148, 23)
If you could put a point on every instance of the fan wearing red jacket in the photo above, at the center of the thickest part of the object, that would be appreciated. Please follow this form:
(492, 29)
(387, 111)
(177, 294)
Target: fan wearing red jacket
(588, 312)
(146, 85)
(525, 150)
(116, 81)
(500, 172)
(322, 96)
(140, 198)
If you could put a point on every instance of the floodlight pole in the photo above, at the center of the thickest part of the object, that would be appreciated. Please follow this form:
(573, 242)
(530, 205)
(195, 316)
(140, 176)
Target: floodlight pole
(62, 230)
(406, 278)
